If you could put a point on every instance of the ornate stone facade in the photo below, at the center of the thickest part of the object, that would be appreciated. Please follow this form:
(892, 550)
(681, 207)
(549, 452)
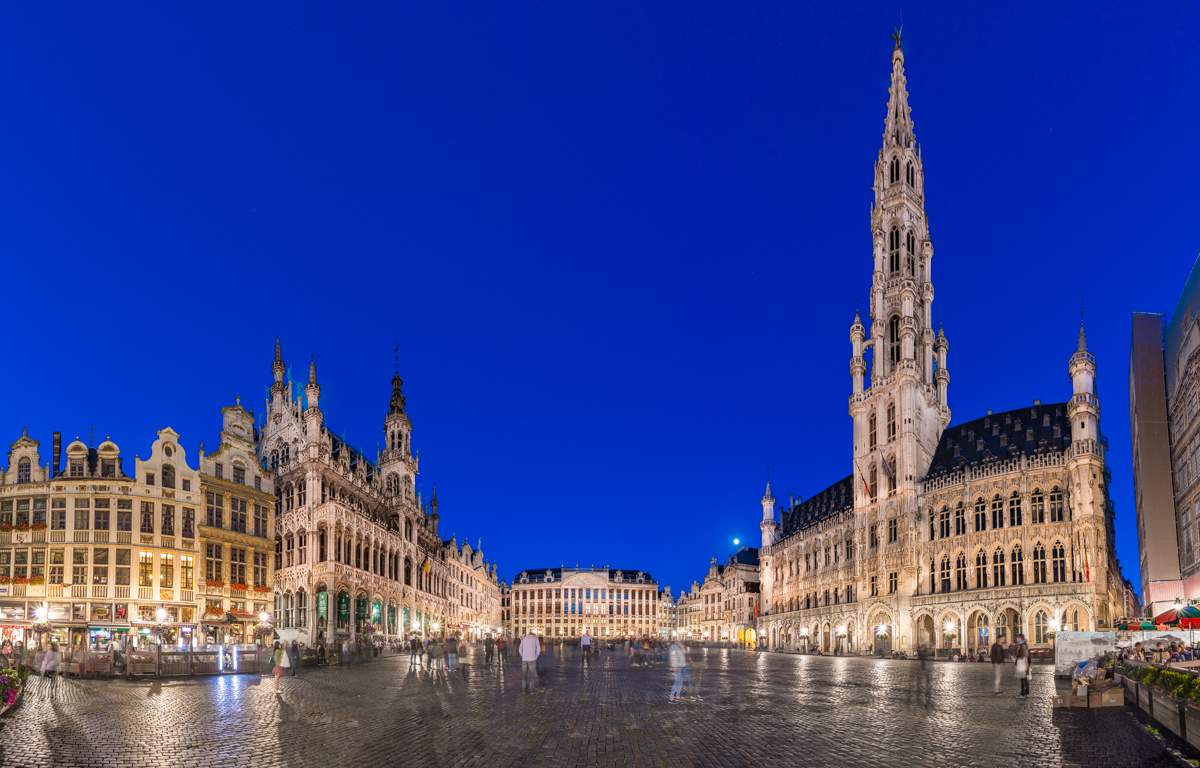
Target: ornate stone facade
(948, 537)
(355, 545)
(566, 602)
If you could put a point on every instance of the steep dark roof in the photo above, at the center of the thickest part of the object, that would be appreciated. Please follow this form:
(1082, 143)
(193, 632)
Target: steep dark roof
(746, 556)
(997, 437)
(828, 502)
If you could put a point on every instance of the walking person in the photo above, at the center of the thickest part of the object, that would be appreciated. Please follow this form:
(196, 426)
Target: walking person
(282, 662)
(530, 650)
(414, 651)
(1023, 671)
(677, 658)
(585, 645)
(51, 661)
(997, 656)
(295, 657)
(489, 648)
(452, 653)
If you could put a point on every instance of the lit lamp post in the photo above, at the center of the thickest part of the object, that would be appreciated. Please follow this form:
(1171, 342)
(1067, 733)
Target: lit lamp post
(841, 633)
(804, 634)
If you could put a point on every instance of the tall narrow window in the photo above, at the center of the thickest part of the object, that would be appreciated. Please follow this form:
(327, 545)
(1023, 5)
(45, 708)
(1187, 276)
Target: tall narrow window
(166, 571)
(1039, 564)
(874, 480)
(147, 517)
(215, 510)
(1018, 567)
(1041, 628)
(946, 573)
(1060, 561)
(186, 579)
(998, 568)
(146, 569)
(891, 421)
(894, 251)
(189, 524)
(212, 562)
(168, 520)
(1056, 505)
(872, 438)
(980, 515)
(960, 520)
(960, 572)
(894, 340)
(997, 513)
(944, 524)
(168, 476)
(1037, 508)
(910, 251)
(981, 565)
(23, 469)
(1014, 510)
(932, 576)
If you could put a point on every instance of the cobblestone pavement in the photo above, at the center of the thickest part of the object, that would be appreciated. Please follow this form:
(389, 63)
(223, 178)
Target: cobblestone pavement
(751, 710)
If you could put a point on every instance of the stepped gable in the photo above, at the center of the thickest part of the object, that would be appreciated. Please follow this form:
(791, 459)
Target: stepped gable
(1037, 429)
(834, 499)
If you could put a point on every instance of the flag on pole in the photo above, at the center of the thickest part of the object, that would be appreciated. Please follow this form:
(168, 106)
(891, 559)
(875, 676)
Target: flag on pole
(1086, 566)
(866, 485)
(425, 565)
(887, 468)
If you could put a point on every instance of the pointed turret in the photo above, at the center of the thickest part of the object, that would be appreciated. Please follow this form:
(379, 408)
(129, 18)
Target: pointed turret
(397, 403)
(313, 391)
(898, 128)
(278, 369)
(767, 526)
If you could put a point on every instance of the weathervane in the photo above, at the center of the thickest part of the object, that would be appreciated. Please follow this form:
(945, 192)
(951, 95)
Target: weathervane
(897, 35)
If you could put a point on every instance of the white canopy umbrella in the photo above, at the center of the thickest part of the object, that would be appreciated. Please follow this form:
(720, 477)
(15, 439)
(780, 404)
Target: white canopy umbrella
(288, 635)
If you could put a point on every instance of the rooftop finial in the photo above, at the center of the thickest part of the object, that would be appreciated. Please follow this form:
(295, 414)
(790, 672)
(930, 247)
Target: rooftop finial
(312, 371)
(897, 35)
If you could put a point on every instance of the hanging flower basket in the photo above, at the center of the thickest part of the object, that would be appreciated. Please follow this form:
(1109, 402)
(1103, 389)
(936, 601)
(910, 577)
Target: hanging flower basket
(367, 629)
(263, 631)
(42, 627)
(160, 630)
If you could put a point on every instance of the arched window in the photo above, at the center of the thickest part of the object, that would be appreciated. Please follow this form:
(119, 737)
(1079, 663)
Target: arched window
(1075, 620)
(894, 170)
(909, 175)
(894, 251)
(891, 465)
(873, 436)
(1002, 628)
(960, 520)
(945, 573)
(1039, 563)
(944, 523)
(981, 564)
(891, 421)
(1056, 505)
(1014, 510)
(289, 498)
(910, 247)
(283, 454)
(1037, 507)
(1060, 561)
(894, 340)
(997, 512)
(932, 576)
(998, 568)
(278, 553)
(358, 554)
(980, 515)
(274, 460)
(1018, 567)
(168, 476)
(874, 481)
(23, 471)
(1041, 628)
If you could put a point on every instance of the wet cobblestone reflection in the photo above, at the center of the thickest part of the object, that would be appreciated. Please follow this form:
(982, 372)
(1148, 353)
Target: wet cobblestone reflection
(752, 710)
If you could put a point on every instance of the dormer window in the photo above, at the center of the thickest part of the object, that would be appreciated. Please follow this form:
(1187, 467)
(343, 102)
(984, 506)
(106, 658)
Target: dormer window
(219, 470)
(239, 475)
(108, 468)
(149, 478)
(23, 471)
(76, 467)
(168, 476)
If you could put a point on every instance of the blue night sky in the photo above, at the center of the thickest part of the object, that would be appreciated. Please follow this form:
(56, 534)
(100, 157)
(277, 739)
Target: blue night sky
(620, 244)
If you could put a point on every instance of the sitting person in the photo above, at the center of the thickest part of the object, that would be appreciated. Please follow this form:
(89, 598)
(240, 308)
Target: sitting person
(1179, 653)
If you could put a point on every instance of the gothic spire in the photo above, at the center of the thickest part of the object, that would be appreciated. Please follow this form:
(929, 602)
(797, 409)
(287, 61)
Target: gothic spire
(277, 367)
(312, 372)
(898, 128)
(1082, 345)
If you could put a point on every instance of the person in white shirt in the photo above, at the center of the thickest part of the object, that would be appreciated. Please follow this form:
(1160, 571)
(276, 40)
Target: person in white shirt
(585, 645)
(530, 649)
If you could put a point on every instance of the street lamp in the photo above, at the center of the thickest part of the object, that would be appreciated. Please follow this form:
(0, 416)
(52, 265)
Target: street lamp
(161, 614)
(949, 626)
(262, 616)
(1053, 625)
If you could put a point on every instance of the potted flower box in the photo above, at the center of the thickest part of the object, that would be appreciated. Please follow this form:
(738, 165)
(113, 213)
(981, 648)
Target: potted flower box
(1169, 712)
(1191, 721)
(1144, 700)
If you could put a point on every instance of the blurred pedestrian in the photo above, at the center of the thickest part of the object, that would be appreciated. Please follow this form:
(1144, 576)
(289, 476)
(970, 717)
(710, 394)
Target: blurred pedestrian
(489, 648)
(677, 657)
(997, 656)
(1023, 671)
(530, 650)
(281, 662)
(295, 657)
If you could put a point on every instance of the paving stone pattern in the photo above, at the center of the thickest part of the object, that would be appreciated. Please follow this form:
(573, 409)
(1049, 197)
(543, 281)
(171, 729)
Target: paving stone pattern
(751, 710)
